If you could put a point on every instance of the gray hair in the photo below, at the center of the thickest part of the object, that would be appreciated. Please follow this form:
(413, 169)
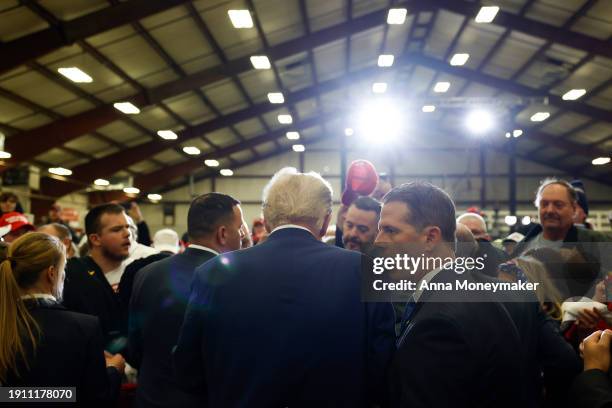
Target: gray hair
(473, 216)
(291, 197)
(571, 191)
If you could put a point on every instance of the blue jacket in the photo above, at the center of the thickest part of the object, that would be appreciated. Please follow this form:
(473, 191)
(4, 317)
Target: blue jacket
(283, 324)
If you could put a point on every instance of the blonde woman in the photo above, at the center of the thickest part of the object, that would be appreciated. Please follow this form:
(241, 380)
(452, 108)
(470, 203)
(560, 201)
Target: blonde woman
(42, 343)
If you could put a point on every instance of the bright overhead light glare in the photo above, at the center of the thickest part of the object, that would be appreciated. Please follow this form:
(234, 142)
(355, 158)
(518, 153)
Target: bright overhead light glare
(396, 16)
(379, 87)
(276, 97)
(5, 155)
(293, 135)
(260, 62)
(526, 220)
(601, 161)
(428, 108)
(573, 94)
(131, 190)
(192, 150)
(298, 148)
(517, 132)
(75, 75)
(385, 60)
(486, 14)
(285, 119)
(226, 172)
(167, 134)
(459, 59)
(479, 121)
(441, 87)
(154, 197)
(211, 163)
(540, 116)
(126, 107)
(101, 182)
(240, 18)
(60, 171)
(508, 135)
(379, 121)
(510, 220)
(349, 132)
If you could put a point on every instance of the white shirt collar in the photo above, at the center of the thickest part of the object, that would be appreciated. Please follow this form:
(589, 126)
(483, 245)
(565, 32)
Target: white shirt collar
(39, 296)
(428, 277)
(203, 248)
(290, 226)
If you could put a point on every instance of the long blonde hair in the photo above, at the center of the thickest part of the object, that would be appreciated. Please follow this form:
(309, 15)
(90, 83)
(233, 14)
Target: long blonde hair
(20, 269)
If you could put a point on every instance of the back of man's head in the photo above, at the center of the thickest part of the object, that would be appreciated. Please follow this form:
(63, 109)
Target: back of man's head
(428, 205)
(475, 223)
(297, 198)
(93, 218)
(57, 230)
(207, 212)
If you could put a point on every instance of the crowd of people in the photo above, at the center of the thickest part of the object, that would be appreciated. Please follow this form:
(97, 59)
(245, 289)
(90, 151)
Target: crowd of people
(276, 317)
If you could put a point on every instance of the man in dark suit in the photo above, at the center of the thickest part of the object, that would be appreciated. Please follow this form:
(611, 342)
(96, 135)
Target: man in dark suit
(451, 352)
(282, 323)
(160, 294)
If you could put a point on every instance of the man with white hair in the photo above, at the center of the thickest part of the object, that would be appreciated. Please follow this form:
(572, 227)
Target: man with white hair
(283, 322)
(491, 255)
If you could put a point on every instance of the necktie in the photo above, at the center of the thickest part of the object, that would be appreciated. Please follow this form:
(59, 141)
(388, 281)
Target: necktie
(406, 316)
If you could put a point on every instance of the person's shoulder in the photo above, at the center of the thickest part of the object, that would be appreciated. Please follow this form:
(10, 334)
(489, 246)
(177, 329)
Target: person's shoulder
(587, 235)
(61, 317)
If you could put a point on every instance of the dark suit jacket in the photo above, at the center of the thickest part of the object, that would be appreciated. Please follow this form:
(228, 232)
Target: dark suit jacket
(456, 354)
(282, 324)
(157, 306)
(69, 354)
(592, 389)
(86, 290)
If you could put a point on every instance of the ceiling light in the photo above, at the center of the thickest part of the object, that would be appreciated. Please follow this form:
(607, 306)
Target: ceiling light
(131, 190)
(479, 121)
(526, 220)
(75, 75)
(349, 132)
(385, 60)
(540, 116)
(240, 18)
(573, 94)
(192, 150)
(508, 135)
(396, 16)
(293, 135)
(379, 87)
(428, 108)
(211, 163)
(276, 97)
(167, 134)
(285, 119)
(226, 172)
(101, 182)
(126, 107)
(154, 197)
(5, 155)
(601, 161)
(486, 14)
(298, 148)
(379, 121)
(260, 62)
(510, 220)
(60, 171)
(441, 87)
(517, 132)
(459, 59)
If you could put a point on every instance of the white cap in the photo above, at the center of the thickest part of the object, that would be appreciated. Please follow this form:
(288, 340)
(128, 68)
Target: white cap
(514, 237)
(166, 240)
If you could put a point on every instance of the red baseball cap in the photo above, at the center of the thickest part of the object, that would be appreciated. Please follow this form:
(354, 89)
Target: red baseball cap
(13, 221)
(361, 180)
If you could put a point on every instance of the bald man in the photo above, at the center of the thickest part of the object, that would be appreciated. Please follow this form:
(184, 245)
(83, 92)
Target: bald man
(476, 224)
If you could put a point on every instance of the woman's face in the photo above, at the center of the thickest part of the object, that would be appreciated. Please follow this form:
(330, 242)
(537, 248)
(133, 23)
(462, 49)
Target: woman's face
(58, 287)
(8, 205)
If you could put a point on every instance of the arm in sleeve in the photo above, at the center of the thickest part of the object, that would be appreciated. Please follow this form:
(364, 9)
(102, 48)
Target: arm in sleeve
(592, 389)
(381, 346)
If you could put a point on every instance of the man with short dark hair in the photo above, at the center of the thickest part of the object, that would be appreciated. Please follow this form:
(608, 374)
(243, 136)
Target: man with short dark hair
(87, 290)
(361, 224)
(160, 295)
(444, 347)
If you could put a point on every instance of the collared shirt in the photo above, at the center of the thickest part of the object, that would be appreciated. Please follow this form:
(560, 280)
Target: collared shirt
(45, 296)
(203, 248)
(290, 226)
(428, 277)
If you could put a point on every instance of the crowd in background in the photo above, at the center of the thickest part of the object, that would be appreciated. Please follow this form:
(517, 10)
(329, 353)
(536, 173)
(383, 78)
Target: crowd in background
(274, 316)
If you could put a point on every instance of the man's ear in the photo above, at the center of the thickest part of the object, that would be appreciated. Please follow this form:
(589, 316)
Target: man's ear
(93, 239)
(221, 235)
(432, 236)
